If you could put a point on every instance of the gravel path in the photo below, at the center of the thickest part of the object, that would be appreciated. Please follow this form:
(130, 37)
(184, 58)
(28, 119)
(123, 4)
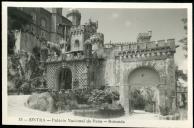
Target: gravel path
(16, 108)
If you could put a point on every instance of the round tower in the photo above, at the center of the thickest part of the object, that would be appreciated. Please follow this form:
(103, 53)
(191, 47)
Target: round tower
(74, 16)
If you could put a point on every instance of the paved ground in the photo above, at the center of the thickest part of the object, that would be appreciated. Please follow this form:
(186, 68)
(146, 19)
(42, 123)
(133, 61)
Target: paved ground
(16, 108)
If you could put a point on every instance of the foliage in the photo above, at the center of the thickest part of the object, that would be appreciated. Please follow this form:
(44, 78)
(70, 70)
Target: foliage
(180, 74)
(82, 95)
(23, 68)
(57, 50)
(11, 42)
(25, 88)
(143, 99)
(95, 96)
(164, 110)
(184, 40)
(137, 99)
(98, 96)
(64, 100)
(88, 97)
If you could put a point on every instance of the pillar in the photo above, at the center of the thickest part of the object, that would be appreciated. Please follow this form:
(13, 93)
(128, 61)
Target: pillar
(124, 98)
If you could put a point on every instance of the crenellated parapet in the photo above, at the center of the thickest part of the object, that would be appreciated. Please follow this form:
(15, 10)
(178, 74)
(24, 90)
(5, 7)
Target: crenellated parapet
(77, 30)
(88, 29)
(149, 50)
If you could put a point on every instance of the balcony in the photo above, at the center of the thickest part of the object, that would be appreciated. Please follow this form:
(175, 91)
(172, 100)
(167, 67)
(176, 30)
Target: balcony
(68, 56)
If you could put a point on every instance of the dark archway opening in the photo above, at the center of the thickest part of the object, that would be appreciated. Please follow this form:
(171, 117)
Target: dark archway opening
(143, 92)
(65, 79)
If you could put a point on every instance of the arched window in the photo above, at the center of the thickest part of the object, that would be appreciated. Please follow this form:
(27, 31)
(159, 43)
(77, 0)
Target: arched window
(43, 23)
(76, 45)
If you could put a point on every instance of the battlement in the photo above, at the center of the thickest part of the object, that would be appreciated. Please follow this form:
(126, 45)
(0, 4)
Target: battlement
(134, 46)
(76, 30)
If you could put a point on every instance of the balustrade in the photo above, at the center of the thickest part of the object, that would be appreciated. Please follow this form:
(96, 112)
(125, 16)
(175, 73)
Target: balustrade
(67, 56)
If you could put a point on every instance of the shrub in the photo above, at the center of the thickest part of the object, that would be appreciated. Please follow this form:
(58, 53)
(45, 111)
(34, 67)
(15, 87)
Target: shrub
(164, 110)
(137, 99)
(82, 95)
(65, 100)
(95, 96)
(99, 97)
(26, 88)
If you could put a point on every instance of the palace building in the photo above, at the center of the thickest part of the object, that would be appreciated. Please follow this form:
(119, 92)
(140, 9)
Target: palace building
(86, 61)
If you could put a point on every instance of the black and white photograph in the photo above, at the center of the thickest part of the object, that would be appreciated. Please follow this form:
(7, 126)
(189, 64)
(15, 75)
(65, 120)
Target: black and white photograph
(88, 64)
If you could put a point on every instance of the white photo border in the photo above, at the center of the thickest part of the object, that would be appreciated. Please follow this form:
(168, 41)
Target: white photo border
(132, 123)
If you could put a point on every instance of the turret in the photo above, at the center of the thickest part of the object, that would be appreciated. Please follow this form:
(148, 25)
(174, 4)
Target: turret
(97, 41)
(74, 16)
(144, 37)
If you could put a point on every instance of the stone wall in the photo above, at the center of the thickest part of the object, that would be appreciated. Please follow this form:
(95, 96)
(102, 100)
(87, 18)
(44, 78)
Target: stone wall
(78, 69)
(28, 42)
(163, 66)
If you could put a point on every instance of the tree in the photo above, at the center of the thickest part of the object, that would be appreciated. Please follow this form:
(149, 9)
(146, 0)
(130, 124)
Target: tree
(180, 74)
(183, 41)
(11, 42)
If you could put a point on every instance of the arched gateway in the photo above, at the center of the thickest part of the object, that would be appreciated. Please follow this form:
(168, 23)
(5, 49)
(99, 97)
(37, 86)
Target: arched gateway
(147, 65)
(146, 81)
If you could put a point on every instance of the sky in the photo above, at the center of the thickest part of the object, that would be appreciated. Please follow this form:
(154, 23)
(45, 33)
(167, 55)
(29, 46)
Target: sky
(123, 25)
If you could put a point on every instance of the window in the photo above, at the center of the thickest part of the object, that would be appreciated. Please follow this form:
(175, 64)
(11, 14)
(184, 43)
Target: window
(76, 45)
(43, 23)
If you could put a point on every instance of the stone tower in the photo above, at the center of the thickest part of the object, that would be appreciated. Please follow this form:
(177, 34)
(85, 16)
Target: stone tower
(77, 38)
(74, 16)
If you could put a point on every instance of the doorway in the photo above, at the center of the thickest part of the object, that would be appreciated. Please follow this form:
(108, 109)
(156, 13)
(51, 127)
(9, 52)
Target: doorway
(65, 79)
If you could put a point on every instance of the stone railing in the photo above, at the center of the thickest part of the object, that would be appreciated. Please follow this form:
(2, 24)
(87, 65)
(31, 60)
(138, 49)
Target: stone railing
(74, 56)
(71, 56)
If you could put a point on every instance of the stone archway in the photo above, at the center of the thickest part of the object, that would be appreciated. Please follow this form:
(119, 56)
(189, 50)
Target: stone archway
(64, 79)
(144, 80)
